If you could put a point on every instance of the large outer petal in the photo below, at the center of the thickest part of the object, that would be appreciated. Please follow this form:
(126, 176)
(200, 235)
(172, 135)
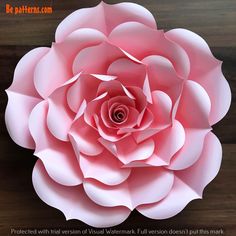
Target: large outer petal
(144, 185)
(105, 168)
(23, 82)
(56, 67)
(73, 201)
(141, 41)
(104, 18)
(22, 98)
(58, 157)
(194, 106)
(206, 70)
(189, 184)
(96, 59)
(191, 151)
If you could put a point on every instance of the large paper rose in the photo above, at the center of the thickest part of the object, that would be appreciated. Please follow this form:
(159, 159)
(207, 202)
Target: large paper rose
(119, 114)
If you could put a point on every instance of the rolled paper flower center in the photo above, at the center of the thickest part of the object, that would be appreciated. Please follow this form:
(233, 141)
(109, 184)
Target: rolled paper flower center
(119, 113)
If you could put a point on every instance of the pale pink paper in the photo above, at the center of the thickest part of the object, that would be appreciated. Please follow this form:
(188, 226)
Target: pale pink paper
(119, 114)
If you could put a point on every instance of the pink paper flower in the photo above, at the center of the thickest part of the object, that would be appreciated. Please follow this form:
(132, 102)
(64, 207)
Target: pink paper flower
(119, 114)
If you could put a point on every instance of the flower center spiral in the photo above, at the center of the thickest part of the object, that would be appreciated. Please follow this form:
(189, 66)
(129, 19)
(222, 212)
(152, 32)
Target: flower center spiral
(119, 113)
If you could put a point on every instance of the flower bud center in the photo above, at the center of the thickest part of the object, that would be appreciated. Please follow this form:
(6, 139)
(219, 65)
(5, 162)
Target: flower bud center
(119, 113)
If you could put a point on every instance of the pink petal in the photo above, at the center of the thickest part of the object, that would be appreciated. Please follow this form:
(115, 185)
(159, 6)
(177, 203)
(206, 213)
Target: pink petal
(58, 157)
(180, 195)
(128, 72)
(167, 143)
(77, 40)
(85, 88)
(84, 138)
(105, 116)
(144, 120)
(22, 98)
(104, 77)
(73, 201)
(129, 56)
(128, 150)
(105, 132)
(191, 150)
(141, 135)
(106, 110)
(51, 72)
(38, 128)
(110, 146)
(60, 117)
(147, 89)
(105, 168)
(61, 165)
(94, 107)
(194, 106)
(17, 125)
(162, 76)
(56, 66)
(130, 122)
(127, 92)
(157, 182)
(81, 110)
(206, 70)
(104, 17)
(132, 119)
(161, 109)
(24, 72)
(189, 183)
(206, 168)
(140, 98)
(113, 88)
(89, 60)
(160, 117)
(141, 41)
(122, 100)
